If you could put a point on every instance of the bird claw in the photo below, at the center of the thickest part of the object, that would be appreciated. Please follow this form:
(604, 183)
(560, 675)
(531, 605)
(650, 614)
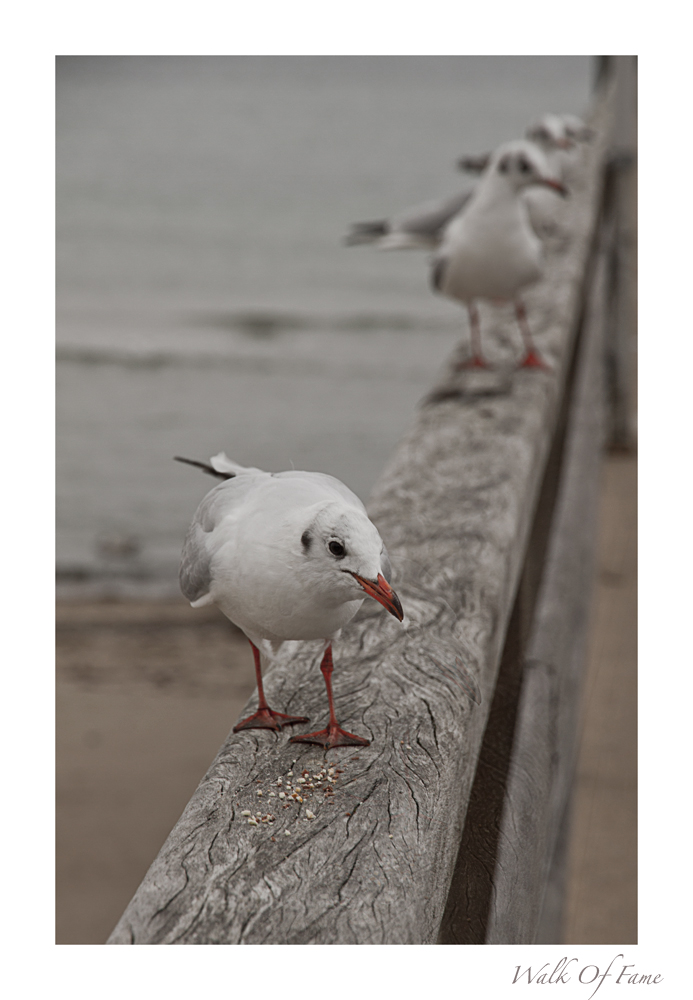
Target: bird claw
(534, 360)
(474, 362)
(331, 737)
(265, 718)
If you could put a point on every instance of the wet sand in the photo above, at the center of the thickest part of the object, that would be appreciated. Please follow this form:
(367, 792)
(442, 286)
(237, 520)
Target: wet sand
(146, 695)
(148, 691)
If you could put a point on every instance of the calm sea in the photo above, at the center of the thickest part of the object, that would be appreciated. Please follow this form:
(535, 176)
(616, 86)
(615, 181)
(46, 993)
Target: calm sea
(205, 299)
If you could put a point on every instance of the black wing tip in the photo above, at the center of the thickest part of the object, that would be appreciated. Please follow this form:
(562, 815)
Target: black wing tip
(366, 232)
(205, 466)
(474, 164)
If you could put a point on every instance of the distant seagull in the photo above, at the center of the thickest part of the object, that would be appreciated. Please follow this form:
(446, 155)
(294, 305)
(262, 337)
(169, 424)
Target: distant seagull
(550, 132)
(490, 251)
(286, 555)
(576, 128)
(419, 228)
(551, 135)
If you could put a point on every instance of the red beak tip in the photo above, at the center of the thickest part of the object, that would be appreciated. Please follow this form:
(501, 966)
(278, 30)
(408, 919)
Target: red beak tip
(382, 592)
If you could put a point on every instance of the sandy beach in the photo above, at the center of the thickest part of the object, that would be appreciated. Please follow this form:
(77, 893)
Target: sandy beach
(146, 694)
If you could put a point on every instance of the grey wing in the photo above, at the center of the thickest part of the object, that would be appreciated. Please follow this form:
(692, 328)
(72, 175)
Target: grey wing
(429, 221)
(423, 224)
(195, 574)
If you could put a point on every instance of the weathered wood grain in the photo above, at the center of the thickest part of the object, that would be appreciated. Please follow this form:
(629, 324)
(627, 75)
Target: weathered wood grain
(504, 899)
(455, 506)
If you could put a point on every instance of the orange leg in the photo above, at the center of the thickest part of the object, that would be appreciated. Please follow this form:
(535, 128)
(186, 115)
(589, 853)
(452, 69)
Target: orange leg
(265, 718)
(532, 358)
(477, 360)
(333, 736)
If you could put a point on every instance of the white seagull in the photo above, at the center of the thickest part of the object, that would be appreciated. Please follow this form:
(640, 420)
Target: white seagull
(490, 251)
(286, 555)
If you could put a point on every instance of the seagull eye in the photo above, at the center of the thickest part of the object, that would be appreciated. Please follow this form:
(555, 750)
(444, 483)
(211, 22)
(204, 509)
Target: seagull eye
(337, 550)
(524, 166)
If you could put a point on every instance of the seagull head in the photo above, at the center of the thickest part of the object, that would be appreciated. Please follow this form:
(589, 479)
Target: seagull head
(342, 549)
(549, 133)
(576, 129)
(522, 165)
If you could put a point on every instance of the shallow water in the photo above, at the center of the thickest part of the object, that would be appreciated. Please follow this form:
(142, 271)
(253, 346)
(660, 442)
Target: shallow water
(205, 300)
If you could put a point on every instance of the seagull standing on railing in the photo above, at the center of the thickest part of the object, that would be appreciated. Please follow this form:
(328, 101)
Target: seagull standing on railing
(551, 136)
(490, 251)
(287, 555)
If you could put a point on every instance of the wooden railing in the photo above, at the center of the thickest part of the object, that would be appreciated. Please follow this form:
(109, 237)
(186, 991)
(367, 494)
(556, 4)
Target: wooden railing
(449, 827)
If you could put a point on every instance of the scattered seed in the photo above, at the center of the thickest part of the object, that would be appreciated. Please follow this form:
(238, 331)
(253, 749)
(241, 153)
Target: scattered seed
(246, 812)
(282, 795)
(272, 795)
(309, 814)
(279, 781)
(391, 836)
(252, 822)
(287, 833)
(289, 774)
(259, 792)
(408, 747)
(301, 781)
(273, 839)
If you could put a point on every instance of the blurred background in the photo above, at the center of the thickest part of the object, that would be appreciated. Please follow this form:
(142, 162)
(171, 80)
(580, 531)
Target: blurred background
(205, 301)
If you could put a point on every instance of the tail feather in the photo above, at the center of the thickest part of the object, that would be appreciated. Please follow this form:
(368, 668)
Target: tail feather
(209, 469)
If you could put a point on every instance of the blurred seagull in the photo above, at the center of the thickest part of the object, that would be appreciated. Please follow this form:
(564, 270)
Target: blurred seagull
(549, 133)
(489, 250)
(576, 128)
(287, 555)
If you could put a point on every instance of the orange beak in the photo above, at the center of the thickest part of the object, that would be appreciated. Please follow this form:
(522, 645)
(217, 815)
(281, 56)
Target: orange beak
(382, 592)
(555, 186)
